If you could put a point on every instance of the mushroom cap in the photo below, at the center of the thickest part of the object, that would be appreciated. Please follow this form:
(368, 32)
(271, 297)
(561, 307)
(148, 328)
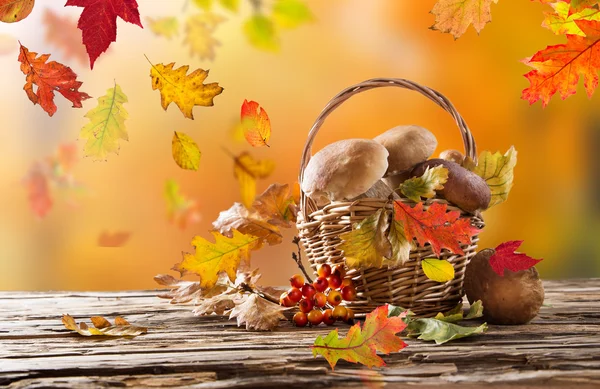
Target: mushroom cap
(408, 146)
(452, 155)
(344, 170)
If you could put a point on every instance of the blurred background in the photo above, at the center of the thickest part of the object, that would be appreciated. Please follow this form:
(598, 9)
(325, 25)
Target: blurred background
(554, 206)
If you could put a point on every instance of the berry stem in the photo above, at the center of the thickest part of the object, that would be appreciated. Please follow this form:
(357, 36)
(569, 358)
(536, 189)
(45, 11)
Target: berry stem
(247, 288)
(298, 259)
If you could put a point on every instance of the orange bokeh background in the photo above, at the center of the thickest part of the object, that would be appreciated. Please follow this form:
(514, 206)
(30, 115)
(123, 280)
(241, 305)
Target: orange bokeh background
(553, 205)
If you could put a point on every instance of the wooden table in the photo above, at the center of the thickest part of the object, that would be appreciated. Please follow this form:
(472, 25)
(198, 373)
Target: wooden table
(560, 348)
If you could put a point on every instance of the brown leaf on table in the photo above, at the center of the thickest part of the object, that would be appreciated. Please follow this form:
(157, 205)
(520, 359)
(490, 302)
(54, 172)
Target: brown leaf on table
(62, 32)
(181, 291)
(103, 327)
(247, 170)
(114, 239)
(258, 314)
(240, 218)
(218, 305)
(277, 205)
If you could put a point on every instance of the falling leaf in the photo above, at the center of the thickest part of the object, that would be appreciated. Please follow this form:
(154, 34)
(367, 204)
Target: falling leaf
(12, 11)
(557, 69)
(438, 270)
(261, 33)
(378, 334)
(62, 32)
(185, 151)
(455, 16)
(240, 218)
(435, 226)
(291, 13)
(425, 186)
(277, 205)
(49, 78)
(204, 4)
(256, 124)
(98, 22)
(180, 210)
(115, 239)
(247, 170)
(232, 5)
(103, 327)
(199, 31)
(8, 44)
(441, 331)
(366, 245)
(106, 126)
(562, 21)
(224, 255)
(186, 91)
(167, 26)
(38, 195)
(506, 258)
(258, 314)
(237, 132)
(497, 170)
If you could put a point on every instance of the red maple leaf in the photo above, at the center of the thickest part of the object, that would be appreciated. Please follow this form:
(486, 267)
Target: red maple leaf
(557, 69)
(505, 258)
(435, 226)
(98, 22)
(49, 77)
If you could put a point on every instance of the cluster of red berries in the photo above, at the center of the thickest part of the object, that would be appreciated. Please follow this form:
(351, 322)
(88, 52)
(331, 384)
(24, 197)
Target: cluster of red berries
(319, 302)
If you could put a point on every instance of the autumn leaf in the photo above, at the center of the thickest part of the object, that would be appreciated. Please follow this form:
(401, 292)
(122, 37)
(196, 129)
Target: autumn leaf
(180, 210)
(247, 170)
(61, 31)
(497, 171)
(241, 219)
(258, 314)
(232, 5)
(199, 31)
(277, 205)
(367, 245)
(185, 151)
(103, 327)
(562, 20)
(211, 259)
(575, 5)
(98, 22)
(115, 239)
(401, 246)
(166, 26)
(49, 77)
(12, 11)
(38, 191)
(435, 226)
(441, 331)
(261, 33)
(291, 13)
(256, 124)
(185, 90)
(455, 16)
(181, 291)
(425, 186)
(438, 270)
(475, 310)
(106, 126)
(378, 334)
(506, 258)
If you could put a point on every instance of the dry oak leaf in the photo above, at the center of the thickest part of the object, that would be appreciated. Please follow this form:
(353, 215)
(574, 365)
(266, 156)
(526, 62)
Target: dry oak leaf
(114, 239)
(378, 334)
(247, 170)
(38, 190)
(256, 124)
(506, 258)
(240, 218)
(225, 255)
(186, 91)
(186, 152)
(49, 77)
(180, 210)
(62, 32)
(557, 68)
(562, 20)
(277, 205)
(98, 22)
(367, 245)
(199, 29)
(455, 16)
(167, 26)
(258, 314)
(181, 291)
(103, 327)
(106, 126)
(15, 10)
(497, 171)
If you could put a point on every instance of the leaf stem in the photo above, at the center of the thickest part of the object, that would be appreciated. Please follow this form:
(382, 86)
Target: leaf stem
(298, 259)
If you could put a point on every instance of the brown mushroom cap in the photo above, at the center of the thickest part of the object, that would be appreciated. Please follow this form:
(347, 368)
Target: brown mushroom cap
(452, 155)
(344, 170)
(408, 146)
(515, 298)
(464, 188)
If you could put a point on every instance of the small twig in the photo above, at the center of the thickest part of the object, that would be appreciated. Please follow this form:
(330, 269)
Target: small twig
(247, 288)
(298, 259)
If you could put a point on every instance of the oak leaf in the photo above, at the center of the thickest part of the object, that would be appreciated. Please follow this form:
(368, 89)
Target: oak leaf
(114, 239)
(180, 210)
(166, 26)
(103, 327)
(261, 33)
(62, 32)
(199, 31)
(240, 218)
(506, 258)
(378, 334)
(256, 124)
(291, 13)
(106, 126)
(497, 171)
(247, 170)
(438, 270)
(277, 205)
(98, 22)
(425, 186)
(49, 77)
(185, 90)
(367, 245)
(186, 153)
(15, 10)
(258, 314)
(181, 291)
(455, 16)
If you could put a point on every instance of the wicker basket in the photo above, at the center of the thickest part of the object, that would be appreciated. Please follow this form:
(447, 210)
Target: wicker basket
(405, 286)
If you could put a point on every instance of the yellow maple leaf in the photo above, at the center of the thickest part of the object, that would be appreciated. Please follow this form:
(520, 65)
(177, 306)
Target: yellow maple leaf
(167, 26)
(199, 29)
(455, 16)
(106, 126)
(247, 170)
(185, 90)
(222, 256)
(185, 151)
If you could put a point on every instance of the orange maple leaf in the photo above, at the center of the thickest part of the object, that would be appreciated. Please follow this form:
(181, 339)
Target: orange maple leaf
(436, 226)
(256, 124)
(62, 32)
(557, 69)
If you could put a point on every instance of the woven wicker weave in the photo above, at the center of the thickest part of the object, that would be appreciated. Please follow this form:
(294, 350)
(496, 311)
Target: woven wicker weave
(405, 286)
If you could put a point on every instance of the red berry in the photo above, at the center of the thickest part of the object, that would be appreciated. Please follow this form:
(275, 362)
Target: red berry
(347, 282)
(297, 281)
(308, 291)
(349, 293)
(349, 316)
(328, 317)
(339, 312)
(300, 319)
(306, 305)
(294, 294)
(315, 317)
(285, 300)
(320, 300)
(334, 298)
(321, 284)
(324, 270)
(339, 270)
(335, 281)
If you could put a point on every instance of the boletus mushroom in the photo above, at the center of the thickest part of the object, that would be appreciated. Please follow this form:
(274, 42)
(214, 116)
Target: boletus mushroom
(515, 298)
(344, 170)
(452, 155)
(464, 188)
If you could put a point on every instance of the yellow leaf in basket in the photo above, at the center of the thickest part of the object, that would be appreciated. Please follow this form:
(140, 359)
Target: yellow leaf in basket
(366, 245)
(425, 186)
(185, 151)
(438, 270)
(497, 170)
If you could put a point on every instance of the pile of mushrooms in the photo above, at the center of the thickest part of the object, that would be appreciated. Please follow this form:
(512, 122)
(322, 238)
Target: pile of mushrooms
(359, 168)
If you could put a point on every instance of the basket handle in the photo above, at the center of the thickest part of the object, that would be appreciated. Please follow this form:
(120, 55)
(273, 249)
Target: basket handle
(436, 97)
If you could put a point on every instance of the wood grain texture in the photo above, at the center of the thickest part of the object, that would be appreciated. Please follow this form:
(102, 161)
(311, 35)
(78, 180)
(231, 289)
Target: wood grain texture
(560, 348)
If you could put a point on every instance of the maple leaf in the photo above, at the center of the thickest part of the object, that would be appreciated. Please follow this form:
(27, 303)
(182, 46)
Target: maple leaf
(103, 327)
(185, 151)
(180, 210)
(185, 90)
(224, 255)
(506, 258)
(115, 239)
(199, 29)
(277, 205)
(167, 26)
(247, 170)
(435, 226)
(256, 124)
(240, 218)
(106, 126)
(291, 13)
(61, 31)
(425, 186)
(366, 245)
(562, 20)
(455, 16)
(557, 68)
(49, 78)
(12, 11)
(98, 22)
(378, 334)
(438, 270)
(38, 191)
(261, 33)
(497, 171)
(258, 314)
(575, 5)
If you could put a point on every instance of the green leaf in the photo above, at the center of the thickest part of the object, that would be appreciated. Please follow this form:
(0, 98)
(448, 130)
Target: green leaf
(232, 5)
(441, 331)
(185, 151)
(366, 245)
(425, 186)
(291, 13)
(475, 311)
(394, 310)
(497, 170)
(438, 270)
(452, 316)
(261, 33)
